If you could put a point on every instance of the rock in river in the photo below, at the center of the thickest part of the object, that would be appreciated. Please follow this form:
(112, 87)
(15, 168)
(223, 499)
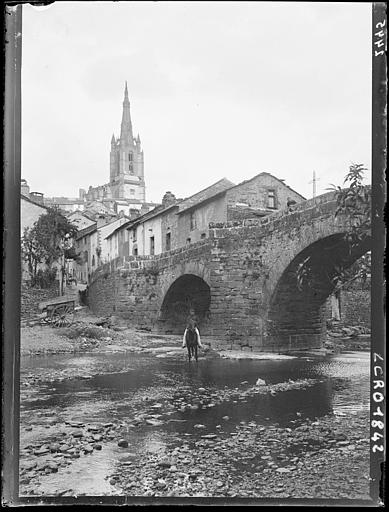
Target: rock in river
(154, 423)
(123, 443)
(164, 463)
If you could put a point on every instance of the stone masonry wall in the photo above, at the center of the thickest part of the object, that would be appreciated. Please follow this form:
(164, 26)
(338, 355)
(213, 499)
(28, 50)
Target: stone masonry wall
(255, 193)
(241, 264)
(355, 307)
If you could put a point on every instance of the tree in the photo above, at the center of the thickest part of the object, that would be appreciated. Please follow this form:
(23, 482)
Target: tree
(354, 203)
(33, 253)
(44, 243)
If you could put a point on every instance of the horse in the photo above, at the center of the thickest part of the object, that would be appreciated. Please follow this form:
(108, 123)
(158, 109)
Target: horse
(191, 342)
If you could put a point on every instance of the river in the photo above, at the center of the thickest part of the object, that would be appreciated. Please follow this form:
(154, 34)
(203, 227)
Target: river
(124, 388)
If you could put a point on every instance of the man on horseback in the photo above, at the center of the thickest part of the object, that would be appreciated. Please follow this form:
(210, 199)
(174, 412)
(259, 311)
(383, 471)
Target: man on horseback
(191, 339)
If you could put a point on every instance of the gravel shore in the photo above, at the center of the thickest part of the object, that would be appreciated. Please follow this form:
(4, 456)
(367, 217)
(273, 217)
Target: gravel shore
(326, 457)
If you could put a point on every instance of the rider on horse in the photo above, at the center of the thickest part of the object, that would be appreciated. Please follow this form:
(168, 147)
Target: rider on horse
(191, 338)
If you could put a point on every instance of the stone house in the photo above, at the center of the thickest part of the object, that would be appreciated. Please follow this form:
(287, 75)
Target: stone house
(261, 195)
(29, 214)
(223, 202)
(176, 223)
(107, 251)
(85, 245)
(196, 212)
(93, 245)
(80, 219)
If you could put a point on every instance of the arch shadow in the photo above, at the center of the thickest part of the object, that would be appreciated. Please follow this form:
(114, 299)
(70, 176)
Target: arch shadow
(186, 293)
(296, 315)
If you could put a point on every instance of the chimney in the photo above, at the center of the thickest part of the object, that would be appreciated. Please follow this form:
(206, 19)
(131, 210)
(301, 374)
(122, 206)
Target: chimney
(25, 189)
(168, 199)
(144, 209)
(101, 221)
(37, 197)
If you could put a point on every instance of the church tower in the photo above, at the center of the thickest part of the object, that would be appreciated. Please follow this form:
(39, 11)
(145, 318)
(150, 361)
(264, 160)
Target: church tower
(126, 160)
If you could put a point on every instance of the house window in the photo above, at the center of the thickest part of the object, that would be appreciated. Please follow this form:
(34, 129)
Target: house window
(152, 246)
(188, 240)
(131, 168)
(130, 157)
(134, 236)
(203, 235)
(132, 191)
(168, 241)
(192, 221)
(271, 199)
(135, 251)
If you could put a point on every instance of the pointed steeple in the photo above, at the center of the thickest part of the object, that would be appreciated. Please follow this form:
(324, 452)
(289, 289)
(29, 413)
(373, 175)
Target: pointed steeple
(113, 139)
(126, 127)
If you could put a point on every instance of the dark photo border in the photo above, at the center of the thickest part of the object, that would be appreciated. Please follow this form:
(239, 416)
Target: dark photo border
(12, 282)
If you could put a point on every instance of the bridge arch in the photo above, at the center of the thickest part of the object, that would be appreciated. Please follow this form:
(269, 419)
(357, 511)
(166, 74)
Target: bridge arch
(296, 314)
(187, 292)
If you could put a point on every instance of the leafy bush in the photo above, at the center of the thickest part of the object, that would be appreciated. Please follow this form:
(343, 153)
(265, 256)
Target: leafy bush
(44, 278)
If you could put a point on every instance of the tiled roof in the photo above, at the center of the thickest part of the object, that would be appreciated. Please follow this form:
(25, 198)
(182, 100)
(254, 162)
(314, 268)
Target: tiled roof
(33, 202)
(86, 231)
(204, 195)
(64, 200)
(143, 218)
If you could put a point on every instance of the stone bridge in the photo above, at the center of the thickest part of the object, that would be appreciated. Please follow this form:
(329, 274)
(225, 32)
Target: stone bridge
(241, 281)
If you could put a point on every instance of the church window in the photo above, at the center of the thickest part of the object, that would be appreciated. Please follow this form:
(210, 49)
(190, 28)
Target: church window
(131, 169)
(130, 157)
(93, 260)
(152, 246)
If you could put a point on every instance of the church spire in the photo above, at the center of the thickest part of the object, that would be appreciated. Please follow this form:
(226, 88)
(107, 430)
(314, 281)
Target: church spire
(126, 127)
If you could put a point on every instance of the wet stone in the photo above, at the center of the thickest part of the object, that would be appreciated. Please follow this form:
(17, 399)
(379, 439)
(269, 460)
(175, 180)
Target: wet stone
(77, 433)
(164, 463)
(41, 451)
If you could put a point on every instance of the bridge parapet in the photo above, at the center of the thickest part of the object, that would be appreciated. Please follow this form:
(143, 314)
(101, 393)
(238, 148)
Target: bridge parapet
(323, 205)
(240, 278)
(155, 262)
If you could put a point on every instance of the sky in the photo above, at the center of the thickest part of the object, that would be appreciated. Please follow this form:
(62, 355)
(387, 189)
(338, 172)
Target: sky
(217, 89)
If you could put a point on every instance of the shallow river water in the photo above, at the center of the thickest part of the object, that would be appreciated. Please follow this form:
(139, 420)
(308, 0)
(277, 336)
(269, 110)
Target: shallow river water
(119, 386)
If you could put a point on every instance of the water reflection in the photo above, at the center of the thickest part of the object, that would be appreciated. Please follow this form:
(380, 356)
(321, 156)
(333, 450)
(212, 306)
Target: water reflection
(139, 376)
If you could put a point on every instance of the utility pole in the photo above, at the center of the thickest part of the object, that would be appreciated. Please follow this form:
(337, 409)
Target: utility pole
(314, 180)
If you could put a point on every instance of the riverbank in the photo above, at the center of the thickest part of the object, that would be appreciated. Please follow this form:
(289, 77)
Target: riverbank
(162, 441)
(82, 432)
(92, 334)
